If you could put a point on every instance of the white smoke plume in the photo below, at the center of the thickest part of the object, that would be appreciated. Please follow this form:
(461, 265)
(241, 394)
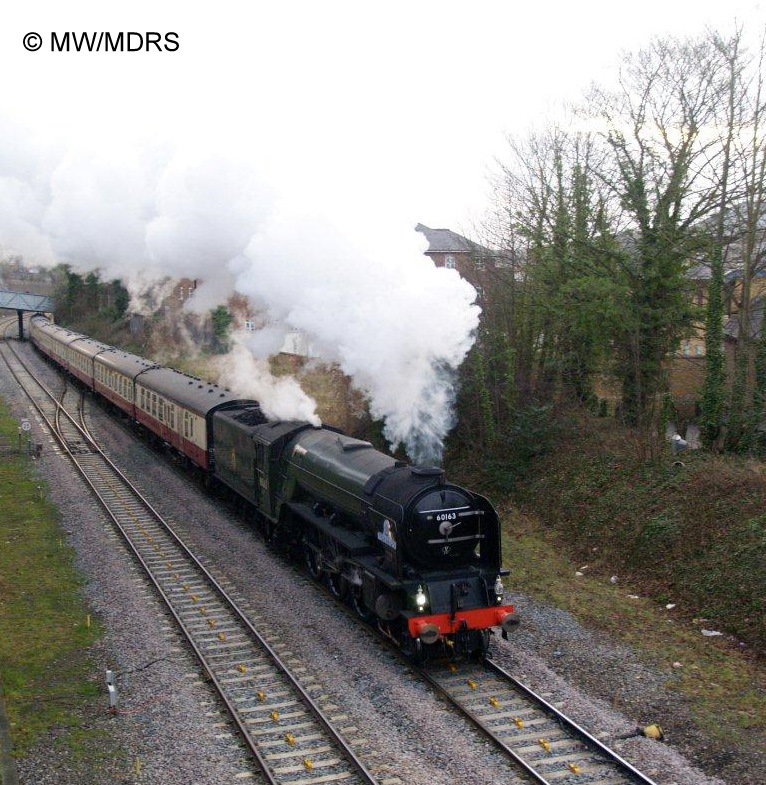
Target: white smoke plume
(365, 296)
(281, 397)
(395, 323)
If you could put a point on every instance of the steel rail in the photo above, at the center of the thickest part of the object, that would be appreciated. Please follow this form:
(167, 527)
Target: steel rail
(578, 730)
(307, 700)
(499, 743)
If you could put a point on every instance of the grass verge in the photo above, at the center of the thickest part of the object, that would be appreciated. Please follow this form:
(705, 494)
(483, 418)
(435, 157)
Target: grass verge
(726, 687)
(44, 631)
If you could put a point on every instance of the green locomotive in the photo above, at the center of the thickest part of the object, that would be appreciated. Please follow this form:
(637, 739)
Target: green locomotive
(417, 555)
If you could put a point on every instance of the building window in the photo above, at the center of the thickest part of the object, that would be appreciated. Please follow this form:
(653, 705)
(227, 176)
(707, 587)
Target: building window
(250, 325)
(686, 349)
(699, 349)
(449, 261)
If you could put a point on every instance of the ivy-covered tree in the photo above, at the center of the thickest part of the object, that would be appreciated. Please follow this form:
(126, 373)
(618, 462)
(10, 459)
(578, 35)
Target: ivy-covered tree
(221, 320)
(658, 156)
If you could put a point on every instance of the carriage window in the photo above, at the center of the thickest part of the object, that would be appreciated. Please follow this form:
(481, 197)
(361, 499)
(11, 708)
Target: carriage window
(154, 404)
(143, 398)
(162, 410)
(186, 424)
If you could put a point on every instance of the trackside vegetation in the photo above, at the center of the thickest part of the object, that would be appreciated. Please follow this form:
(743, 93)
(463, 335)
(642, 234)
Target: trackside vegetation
(45, 632)
(691, 532)
(685, 541)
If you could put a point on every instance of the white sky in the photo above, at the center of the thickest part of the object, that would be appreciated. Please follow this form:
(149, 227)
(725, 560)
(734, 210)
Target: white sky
(392, 109)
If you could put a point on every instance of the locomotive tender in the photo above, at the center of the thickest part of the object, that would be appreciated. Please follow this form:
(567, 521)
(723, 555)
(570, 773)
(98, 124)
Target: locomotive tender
(414, 554)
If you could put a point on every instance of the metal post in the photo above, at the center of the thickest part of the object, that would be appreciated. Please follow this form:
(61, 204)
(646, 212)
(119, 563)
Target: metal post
(21, 324)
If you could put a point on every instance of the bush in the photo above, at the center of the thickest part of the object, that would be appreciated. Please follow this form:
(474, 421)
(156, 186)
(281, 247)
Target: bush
(695, 533)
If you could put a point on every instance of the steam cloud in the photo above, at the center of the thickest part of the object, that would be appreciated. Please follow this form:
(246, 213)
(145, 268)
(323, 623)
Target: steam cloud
(366, 297)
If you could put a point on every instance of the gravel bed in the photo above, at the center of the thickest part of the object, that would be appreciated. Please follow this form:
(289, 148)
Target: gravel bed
(419, 736)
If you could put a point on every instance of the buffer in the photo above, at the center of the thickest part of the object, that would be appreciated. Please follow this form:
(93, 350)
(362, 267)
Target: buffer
(24, 301)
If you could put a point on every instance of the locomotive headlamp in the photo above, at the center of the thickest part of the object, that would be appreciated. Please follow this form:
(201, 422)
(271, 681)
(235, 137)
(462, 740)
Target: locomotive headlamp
(421, 599)
(499, 590)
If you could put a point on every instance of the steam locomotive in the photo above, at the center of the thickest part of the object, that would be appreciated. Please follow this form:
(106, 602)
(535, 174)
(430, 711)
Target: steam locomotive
(415, 555)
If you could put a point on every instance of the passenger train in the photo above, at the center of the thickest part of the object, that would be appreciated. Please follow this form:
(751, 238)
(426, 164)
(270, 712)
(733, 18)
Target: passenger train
(412, 553)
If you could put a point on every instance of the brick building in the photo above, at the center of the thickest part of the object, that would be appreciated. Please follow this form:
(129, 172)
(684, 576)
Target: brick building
(477, 264)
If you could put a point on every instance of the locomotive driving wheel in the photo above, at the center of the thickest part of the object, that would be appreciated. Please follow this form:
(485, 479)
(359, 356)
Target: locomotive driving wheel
(359, 605)
(313, 561)
(336, 583)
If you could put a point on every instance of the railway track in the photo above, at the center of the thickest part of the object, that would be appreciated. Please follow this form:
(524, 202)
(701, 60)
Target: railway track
(551, 748)
(295, 734)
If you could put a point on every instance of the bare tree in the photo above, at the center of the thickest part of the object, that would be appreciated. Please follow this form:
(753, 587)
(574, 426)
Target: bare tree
(661, 173)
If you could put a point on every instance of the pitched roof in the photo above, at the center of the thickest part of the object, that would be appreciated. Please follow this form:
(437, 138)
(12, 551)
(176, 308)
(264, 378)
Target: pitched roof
(447, 241)
(731, 325)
